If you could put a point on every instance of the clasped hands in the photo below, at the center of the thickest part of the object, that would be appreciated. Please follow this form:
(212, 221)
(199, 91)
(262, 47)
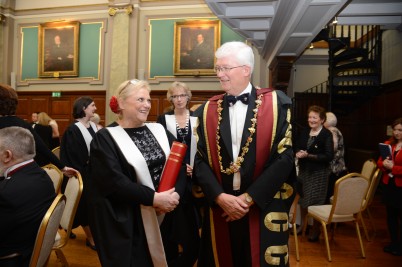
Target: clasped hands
(301, 154)
(166, 201)
(234, 207)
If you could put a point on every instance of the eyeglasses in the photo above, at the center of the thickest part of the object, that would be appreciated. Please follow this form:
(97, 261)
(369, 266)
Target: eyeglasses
(179, 96)
(225, 69)
(133, 82)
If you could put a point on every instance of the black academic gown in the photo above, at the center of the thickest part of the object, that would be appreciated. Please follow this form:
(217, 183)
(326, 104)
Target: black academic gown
(74, 153)
(24, 200)
(115, 215)
(275, 174)
(43, 154)
(45, 132)
(190, 222)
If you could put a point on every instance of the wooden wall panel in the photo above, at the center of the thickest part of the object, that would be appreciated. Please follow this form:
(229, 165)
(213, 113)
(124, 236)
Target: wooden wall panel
(39, 103)
(60, 108)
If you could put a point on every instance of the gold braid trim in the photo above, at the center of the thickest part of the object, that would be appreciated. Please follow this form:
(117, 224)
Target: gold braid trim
(235, 166)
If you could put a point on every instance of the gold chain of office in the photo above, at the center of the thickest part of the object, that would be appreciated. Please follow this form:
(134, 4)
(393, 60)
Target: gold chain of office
(235, 166)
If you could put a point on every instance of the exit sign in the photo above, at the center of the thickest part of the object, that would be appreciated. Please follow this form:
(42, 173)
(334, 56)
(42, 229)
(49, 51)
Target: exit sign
(56, 94)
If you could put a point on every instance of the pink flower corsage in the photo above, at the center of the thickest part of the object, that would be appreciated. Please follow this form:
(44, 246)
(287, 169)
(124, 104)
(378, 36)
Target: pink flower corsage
(114, 105)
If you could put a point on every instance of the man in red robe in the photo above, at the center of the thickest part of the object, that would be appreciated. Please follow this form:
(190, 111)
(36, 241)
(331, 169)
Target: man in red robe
(244, 165)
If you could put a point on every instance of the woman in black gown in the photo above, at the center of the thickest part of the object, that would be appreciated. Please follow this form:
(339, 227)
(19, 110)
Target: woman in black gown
(181, 123)
(74, 151)
(132, 223)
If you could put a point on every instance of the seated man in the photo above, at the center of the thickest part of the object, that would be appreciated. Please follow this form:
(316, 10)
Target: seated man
(26, 193)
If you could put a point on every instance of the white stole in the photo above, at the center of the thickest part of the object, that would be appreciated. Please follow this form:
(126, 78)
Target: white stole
(85, 133)
(134, 158)
(171, 127)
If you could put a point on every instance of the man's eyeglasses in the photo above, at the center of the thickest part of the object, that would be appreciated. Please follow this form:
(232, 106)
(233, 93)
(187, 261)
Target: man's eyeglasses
(225, 69)
(178, 96)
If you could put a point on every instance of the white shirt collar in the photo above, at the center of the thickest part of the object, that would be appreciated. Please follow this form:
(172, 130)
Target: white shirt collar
(16, 166)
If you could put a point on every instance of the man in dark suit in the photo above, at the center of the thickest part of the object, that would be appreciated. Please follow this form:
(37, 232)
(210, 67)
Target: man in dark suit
(244, 165)
(26, 193)
(201, 56)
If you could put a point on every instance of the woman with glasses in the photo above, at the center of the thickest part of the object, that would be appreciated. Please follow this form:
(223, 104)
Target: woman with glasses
(133, 224)
(180, 122)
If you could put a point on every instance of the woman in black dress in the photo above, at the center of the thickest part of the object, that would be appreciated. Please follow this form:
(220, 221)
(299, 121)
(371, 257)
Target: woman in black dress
(314, 151)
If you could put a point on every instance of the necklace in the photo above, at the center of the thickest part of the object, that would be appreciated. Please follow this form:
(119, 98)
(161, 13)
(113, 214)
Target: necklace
(180, 131)
(235, 166)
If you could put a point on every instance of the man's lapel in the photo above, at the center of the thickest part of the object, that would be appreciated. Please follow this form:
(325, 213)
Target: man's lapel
(225, 129)
(249, 116)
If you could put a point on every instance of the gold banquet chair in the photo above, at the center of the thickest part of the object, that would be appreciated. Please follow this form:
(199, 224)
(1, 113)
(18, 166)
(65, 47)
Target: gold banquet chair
(368, 168)
(56, 175)
(47, 232)
(56, 151)
(369, 199)
(73, 194)
(292, 221)
(349, 193)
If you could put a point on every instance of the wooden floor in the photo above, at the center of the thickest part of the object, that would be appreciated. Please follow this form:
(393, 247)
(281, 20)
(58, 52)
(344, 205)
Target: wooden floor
(345, 248)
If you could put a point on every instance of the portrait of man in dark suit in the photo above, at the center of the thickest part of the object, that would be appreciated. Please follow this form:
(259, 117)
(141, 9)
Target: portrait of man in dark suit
(59, 52)
(201, 56)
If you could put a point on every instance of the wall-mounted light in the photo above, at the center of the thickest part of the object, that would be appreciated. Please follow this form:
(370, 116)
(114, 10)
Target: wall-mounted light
(335, 21)
(311, 46)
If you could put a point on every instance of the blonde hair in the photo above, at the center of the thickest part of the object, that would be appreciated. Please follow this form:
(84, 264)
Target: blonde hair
(43, 118)
(95, 118)
(126, 88)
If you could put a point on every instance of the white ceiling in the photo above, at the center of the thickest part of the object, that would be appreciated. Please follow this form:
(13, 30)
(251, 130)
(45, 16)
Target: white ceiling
(286, 27)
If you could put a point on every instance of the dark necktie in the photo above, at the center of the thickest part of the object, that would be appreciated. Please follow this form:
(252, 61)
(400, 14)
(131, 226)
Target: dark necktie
(244, 98)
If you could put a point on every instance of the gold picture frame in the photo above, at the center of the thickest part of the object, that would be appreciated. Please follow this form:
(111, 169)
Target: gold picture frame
(195, 43)
(58, 49)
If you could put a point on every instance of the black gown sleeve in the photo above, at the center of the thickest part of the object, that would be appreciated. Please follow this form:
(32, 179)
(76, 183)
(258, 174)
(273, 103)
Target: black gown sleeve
(111, 174)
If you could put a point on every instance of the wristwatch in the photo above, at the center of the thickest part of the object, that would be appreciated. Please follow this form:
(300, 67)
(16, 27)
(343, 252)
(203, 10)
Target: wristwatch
(249, 199)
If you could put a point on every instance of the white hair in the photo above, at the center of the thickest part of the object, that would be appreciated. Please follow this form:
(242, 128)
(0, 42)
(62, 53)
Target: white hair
(240, 51)
(331, 119)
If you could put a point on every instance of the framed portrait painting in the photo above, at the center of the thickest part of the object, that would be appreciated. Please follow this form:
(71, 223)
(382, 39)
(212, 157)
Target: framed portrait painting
(58, 49)
(195, 43)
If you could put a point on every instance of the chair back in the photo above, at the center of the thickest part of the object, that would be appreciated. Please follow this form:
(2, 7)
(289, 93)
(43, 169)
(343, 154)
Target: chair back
(293, 209)
(56, 175)
(73, 194)
(349, 194)
(372, 188)
(56, 151)
(47, 232)
(368, 169)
